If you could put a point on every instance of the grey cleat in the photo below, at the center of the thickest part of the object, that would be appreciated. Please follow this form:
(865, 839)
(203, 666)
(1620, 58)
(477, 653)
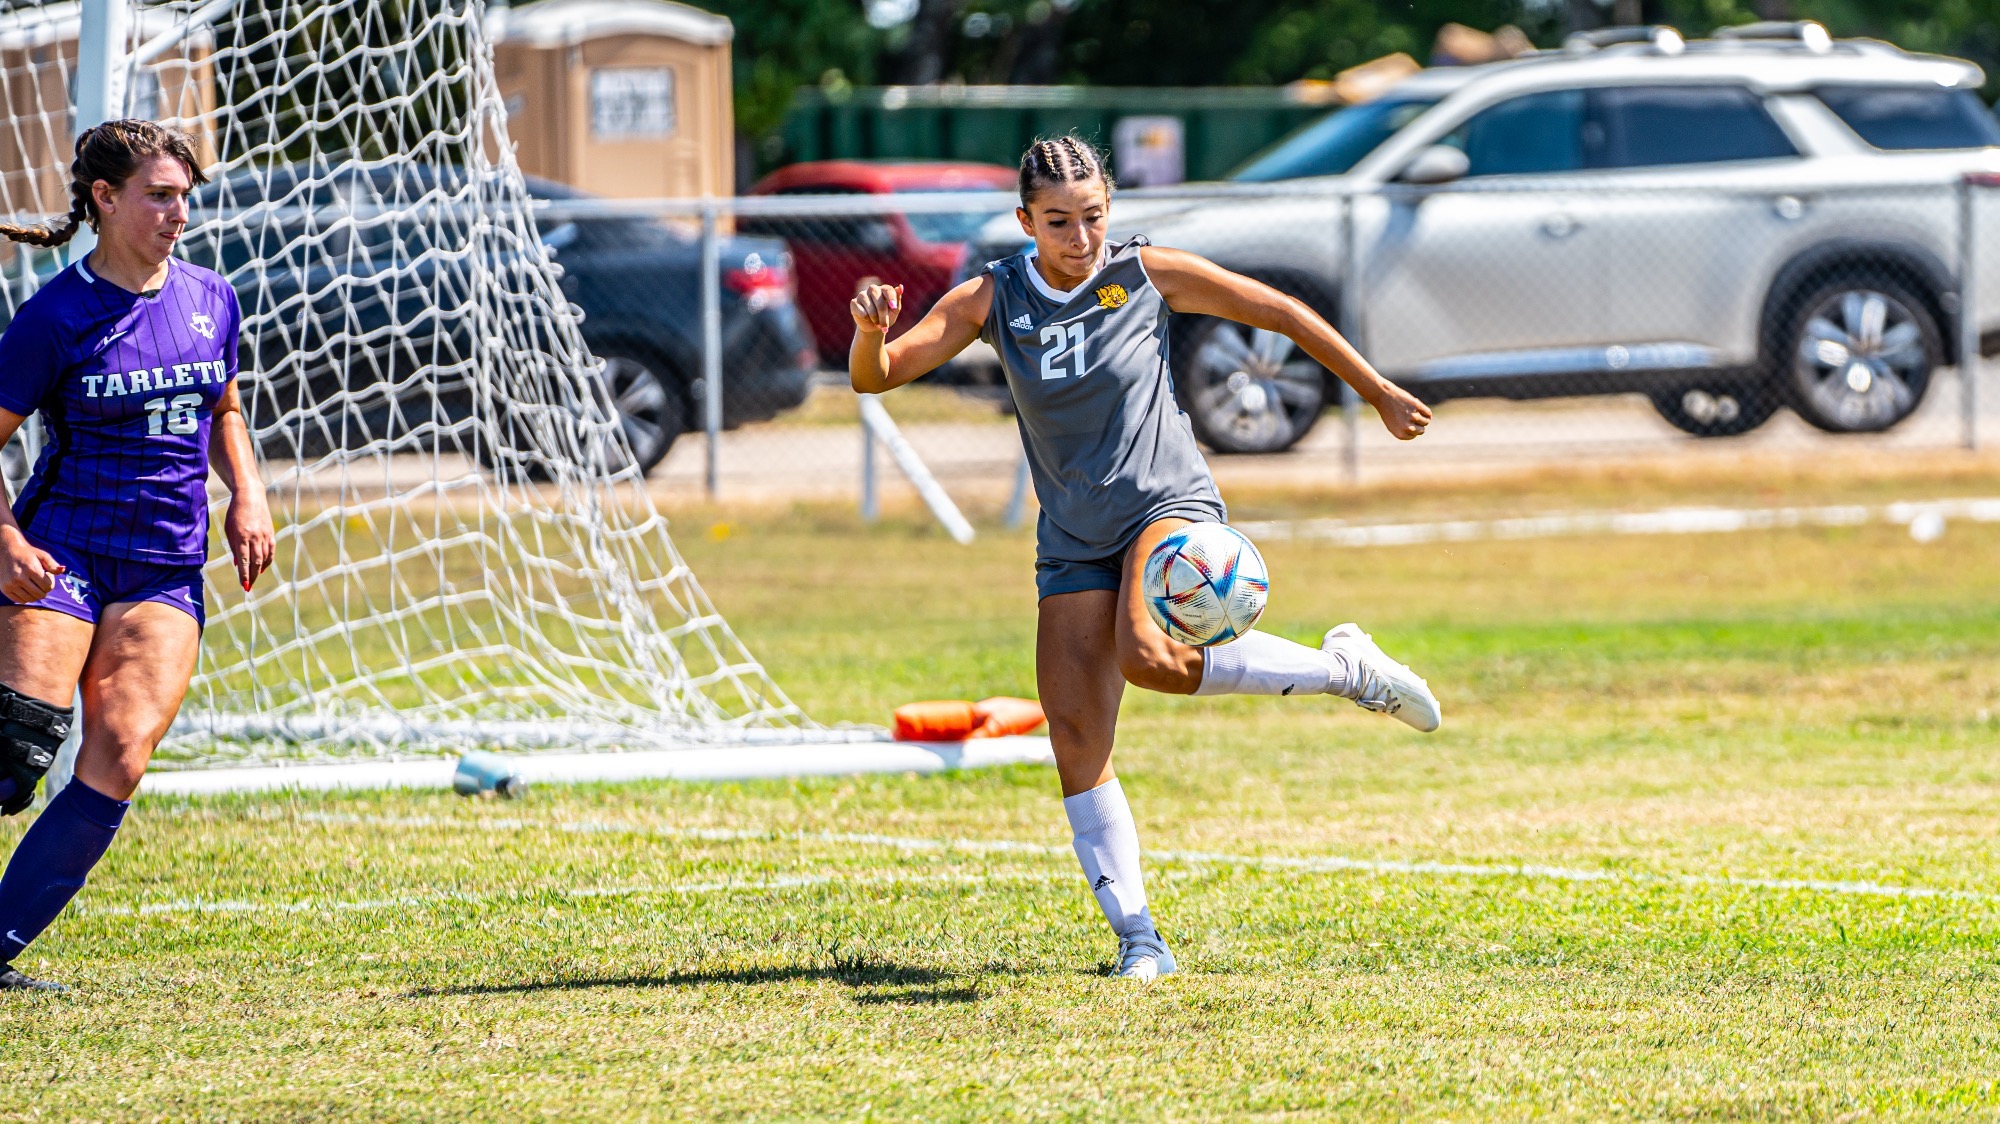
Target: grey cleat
(13, 979)
(1144, 958)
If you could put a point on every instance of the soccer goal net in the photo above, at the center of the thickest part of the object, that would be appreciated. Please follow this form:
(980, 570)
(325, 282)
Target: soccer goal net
(468, 555)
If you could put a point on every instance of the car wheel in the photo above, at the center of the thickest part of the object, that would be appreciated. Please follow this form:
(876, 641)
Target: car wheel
(651, 412)
(652, 409)
(1246, 390)
(1858, 353)
(1716, 409)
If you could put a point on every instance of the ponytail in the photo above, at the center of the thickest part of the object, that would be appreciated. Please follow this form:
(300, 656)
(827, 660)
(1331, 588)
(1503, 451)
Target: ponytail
(110, 152)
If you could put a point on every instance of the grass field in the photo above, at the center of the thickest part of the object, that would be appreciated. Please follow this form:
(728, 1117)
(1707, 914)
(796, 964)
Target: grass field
(1649, 744)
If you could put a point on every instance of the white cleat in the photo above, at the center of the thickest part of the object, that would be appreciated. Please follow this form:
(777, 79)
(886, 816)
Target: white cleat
(1387, 687)
(1144, 958)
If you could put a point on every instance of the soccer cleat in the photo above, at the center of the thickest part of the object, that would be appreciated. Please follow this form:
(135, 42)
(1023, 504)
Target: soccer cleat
(1144, 958)
(13, 979)
(1387, 687)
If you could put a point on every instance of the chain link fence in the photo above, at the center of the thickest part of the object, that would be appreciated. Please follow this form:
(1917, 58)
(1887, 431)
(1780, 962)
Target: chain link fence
(1562, 323)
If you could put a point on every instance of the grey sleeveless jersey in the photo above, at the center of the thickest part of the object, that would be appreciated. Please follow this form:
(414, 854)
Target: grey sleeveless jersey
(1109, 448)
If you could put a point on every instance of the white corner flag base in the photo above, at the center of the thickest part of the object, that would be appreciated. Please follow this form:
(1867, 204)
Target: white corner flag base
(735, 762)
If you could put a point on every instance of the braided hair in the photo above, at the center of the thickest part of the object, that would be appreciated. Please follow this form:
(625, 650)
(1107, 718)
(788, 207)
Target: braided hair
(110, 152)
(1064, 159)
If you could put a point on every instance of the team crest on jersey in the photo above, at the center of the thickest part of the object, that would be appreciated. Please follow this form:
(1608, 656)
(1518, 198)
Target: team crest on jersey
(1112, 296)
(203, 323)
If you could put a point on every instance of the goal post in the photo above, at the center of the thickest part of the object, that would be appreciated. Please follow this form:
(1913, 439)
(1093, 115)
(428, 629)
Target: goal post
(467, 556)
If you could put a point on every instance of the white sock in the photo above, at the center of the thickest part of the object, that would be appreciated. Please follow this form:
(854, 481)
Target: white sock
(1259, 663)
(1107, 844)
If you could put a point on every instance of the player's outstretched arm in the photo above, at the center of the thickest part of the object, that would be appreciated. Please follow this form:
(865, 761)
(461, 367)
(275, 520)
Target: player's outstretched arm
(247, 526)
(875, 365)
(1192, 283)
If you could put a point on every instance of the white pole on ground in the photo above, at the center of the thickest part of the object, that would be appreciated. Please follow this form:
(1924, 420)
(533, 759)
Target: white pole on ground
(1968, 311)
(876, 418)
(1350, 327)
(871, 504)
(711, 344)
(1017, 501)
(100, 96)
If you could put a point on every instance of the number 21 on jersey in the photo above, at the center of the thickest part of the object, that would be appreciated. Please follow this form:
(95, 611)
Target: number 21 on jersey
(1066, 342)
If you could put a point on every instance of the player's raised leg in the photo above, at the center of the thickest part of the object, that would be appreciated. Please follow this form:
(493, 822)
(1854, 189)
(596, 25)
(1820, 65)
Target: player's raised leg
(1348, 663)
(1077, 672)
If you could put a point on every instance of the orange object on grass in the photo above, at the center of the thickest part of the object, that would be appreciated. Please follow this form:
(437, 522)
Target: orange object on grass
(951, 720)
(941, 721)
(1001, 716)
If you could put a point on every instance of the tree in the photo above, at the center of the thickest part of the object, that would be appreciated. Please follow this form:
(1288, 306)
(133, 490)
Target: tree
(784, 44)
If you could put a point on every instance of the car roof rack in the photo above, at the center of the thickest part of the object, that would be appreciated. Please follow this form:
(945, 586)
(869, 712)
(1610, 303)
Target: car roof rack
(1666, 40)
(1810, 34)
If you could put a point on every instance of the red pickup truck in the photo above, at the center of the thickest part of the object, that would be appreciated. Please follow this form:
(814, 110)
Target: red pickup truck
(832, 256)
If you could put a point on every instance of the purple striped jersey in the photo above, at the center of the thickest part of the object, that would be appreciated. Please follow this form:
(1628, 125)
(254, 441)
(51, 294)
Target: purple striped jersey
(126, 384)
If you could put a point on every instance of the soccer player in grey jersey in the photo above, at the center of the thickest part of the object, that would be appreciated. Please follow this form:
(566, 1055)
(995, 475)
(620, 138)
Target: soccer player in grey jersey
(1081, 328)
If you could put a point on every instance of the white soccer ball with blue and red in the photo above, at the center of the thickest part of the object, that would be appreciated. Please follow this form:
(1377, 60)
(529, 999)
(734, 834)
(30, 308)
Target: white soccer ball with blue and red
(1205, 584)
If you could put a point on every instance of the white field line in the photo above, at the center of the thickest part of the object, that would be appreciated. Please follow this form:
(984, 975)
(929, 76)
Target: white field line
(1664, 521)
(320, 905)
(1320, 864)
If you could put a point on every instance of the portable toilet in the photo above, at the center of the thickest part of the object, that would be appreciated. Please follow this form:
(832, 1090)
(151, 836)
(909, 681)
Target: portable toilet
(627, 98)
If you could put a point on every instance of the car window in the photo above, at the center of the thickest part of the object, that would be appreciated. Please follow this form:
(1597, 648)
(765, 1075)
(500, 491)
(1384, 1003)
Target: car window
(1533, 133)
(871, 232)
(1654, 126)
(948, 226)
(1906, 118)
(1334, 143)
(621, 235)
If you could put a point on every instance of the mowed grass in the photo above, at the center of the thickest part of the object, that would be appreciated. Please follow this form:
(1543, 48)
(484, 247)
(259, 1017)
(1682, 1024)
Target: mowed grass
(1642, 734)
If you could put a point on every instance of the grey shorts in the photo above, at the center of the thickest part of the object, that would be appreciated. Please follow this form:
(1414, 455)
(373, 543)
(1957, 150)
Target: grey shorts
(1062, 575)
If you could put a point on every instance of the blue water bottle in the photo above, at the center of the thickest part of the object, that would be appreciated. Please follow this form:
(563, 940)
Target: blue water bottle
(479, 773)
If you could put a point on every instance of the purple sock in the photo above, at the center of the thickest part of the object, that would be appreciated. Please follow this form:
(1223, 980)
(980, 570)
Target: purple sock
(52, 861)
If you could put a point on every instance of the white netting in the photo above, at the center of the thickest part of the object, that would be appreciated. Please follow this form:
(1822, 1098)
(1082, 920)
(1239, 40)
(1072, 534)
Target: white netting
(466, 553)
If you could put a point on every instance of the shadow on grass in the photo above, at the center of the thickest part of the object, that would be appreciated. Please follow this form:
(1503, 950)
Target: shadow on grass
(919, 997)
(916, 982)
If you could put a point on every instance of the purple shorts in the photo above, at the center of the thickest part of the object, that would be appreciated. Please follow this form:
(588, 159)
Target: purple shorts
(96, 581)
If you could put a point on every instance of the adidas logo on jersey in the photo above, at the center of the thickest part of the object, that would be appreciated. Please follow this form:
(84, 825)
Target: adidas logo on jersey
(1021, 322)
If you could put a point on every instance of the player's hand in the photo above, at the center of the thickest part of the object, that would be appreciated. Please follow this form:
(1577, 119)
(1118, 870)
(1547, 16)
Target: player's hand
(27, 572)
(252, 542)
(1401, 413)
(876, 307)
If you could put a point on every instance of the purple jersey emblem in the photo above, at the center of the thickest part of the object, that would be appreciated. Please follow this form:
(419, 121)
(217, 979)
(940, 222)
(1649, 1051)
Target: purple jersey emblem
(127, 385)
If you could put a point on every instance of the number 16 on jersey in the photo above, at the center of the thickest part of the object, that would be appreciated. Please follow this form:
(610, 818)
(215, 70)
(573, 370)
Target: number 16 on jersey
(1064, 341)
(178, 417)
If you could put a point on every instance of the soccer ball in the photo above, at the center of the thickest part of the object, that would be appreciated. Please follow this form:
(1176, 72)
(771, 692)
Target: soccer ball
(1205, 584)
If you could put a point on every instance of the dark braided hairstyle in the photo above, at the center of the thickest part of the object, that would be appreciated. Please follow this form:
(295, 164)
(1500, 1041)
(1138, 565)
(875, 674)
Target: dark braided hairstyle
(110, 152)
(1064, 159)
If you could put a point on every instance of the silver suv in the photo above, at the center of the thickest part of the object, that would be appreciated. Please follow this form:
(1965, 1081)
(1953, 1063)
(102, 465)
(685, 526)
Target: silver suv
(1765, 219)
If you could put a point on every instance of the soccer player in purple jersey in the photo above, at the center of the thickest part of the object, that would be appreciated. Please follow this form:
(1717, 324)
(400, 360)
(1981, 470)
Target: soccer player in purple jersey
(130, 357)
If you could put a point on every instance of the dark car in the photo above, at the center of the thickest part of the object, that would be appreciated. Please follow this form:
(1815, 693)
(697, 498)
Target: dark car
(356, 279)
(638, 283)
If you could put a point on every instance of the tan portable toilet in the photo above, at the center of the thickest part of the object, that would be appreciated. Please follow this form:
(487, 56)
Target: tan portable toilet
(627, 98)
